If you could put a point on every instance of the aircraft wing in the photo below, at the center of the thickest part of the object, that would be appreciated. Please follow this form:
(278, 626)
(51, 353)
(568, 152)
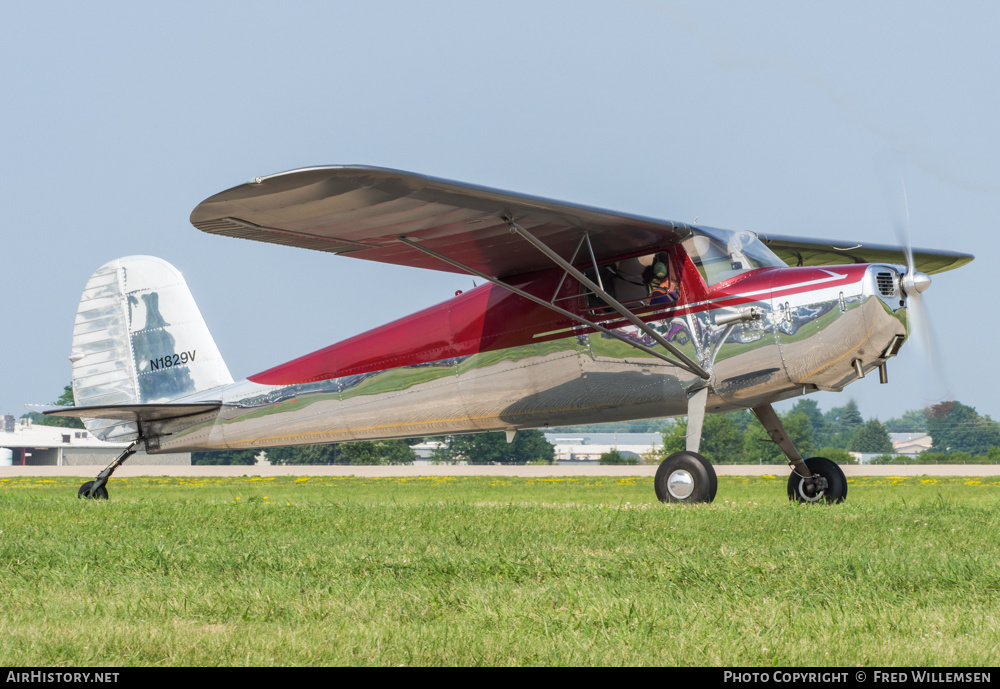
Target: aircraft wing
(799, 251)
(362, 211)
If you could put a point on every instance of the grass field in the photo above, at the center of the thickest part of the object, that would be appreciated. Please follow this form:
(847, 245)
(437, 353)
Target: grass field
(481, 570)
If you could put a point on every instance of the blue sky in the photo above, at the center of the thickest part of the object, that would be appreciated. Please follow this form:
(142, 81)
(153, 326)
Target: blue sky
(118, 118)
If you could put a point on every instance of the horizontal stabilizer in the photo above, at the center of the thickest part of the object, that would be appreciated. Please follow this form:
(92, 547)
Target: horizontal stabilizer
(136, 412)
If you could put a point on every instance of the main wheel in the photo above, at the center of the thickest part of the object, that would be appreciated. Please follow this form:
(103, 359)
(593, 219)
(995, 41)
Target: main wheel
(830, 472)
(685, 477)
(102, 492)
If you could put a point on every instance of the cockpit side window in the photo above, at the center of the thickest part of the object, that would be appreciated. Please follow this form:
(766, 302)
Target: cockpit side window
(647, 280)
(723, 254)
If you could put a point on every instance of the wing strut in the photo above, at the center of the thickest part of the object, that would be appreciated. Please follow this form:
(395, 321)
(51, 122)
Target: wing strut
(685, 363)
(586, 238)
(598, 289)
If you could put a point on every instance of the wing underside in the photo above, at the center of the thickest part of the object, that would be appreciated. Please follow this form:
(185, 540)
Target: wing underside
(364, 212)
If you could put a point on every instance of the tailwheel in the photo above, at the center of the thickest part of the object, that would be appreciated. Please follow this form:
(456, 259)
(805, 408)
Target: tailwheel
(86, 491)
(685, 477)
(826, 483)
(96, 488)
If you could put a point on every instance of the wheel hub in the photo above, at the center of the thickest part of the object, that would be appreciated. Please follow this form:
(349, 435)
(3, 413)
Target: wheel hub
(680, 484)
(813, 490)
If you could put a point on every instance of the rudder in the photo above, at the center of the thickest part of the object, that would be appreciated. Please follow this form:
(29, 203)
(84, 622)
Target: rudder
(139, 338)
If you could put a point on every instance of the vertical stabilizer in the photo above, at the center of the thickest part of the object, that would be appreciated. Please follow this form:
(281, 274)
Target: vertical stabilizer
(139, 338)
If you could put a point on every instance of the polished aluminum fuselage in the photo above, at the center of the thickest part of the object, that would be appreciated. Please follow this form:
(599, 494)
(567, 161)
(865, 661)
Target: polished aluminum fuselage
(817, 327)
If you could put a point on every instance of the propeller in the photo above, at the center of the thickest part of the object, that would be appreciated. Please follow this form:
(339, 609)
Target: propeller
(918, 324)
(913, 284)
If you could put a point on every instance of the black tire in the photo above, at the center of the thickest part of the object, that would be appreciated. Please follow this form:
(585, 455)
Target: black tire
(102, 492)
(685, 477)
(836, 490)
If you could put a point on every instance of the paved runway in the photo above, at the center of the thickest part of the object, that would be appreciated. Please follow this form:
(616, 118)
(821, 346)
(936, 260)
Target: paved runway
(449, 470)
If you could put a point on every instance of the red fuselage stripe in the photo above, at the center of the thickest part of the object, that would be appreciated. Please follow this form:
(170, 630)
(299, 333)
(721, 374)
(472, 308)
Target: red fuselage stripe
(490, 318)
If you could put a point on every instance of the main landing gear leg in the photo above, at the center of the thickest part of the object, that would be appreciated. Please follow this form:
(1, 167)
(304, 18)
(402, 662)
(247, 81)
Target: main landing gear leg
(687, 476)
(96, 489)
(813, 479)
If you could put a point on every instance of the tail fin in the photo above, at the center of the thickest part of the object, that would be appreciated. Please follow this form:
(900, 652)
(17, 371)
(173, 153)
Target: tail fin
(139, 338)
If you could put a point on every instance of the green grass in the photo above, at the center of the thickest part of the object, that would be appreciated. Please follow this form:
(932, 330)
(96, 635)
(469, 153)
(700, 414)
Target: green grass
(496, 571)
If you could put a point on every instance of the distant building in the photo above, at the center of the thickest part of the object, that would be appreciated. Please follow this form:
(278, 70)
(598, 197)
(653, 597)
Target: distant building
(906, 444)
(910, 443)
(574, 448)
(587, 448)
(26, 444)
(424, 450)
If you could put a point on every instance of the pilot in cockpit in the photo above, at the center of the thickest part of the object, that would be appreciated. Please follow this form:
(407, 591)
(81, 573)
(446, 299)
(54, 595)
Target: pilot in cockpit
(661, 280)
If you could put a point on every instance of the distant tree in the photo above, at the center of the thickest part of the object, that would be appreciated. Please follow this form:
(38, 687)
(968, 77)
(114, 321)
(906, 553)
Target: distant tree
(758, 448)
(955, 427)
(835, 454)
(800, 430)
(848, 423)
(737, 438)
(742, 418)
(616, 457)
(359, 453)
(832, 417)
(842, 422)
(639, 426)
(493, 448)
(654, 455)
(930, 457)
(675, 436)
(991, 457)
(821, 429)
(220, 457)
(65, 400)
(850, 417)
(912, 421)
(304, 454)
(871, 437)
(377, 452)
(721, 437)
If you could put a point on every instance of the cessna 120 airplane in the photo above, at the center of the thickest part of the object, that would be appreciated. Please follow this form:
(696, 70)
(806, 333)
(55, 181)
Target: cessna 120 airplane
(585, 316)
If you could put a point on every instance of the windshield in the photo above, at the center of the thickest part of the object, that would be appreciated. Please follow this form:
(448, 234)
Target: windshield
(723, 254)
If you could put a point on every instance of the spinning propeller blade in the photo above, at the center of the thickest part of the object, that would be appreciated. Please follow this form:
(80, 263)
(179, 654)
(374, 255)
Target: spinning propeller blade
(913, 284)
